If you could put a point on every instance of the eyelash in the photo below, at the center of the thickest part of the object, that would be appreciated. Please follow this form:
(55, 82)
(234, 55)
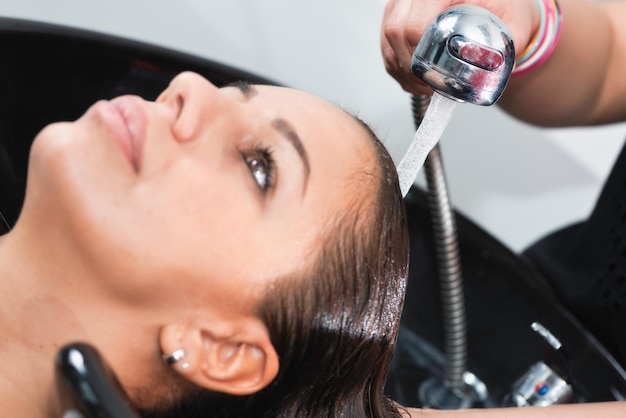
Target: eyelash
(262, 155)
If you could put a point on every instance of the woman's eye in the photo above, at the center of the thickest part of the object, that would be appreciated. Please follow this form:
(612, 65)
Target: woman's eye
(261, 166)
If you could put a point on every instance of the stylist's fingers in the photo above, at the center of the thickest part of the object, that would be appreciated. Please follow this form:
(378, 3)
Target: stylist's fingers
(397, 46)
(393, 45)
(404, 22)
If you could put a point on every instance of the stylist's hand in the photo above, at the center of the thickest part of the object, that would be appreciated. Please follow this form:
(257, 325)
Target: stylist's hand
(405, 21)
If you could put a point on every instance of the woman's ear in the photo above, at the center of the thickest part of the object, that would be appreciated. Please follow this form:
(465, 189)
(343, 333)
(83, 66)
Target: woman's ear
(233, 356)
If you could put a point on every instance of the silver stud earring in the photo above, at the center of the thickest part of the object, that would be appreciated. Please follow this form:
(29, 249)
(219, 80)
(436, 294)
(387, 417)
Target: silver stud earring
(175, 357)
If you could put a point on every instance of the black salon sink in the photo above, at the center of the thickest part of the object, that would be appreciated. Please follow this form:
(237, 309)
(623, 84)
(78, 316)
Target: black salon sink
(505, 294)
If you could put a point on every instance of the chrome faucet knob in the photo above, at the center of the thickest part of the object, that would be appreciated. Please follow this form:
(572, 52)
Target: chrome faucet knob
(466, 54)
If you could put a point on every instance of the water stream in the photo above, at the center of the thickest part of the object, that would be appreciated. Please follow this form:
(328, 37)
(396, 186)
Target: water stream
(430, 130)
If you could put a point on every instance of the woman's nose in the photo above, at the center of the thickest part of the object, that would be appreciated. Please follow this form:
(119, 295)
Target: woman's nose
(194, 102)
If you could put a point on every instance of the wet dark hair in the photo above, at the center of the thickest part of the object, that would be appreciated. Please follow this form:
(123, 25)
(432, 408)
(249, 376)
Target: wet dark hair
(335, 326)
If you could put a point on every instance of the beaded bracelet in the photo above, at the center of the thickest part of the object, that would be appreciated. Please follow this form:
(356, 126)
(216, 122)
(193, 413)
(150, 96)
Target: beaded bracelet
(544, 41)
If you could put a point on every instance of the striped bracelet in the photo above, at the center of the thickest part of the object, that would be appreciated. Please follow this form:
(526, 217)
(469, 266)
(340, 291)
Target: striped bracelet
(544, 41)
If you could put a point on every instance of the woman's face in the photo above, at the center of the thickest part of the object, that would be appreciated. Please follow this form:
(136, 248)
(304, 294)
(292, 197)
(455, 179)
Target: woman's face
(202, 196)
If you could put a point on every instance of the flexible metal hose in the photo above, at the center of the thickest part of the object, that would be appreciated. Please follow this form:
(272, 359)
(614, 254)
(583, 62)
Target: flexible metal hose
(448, 259)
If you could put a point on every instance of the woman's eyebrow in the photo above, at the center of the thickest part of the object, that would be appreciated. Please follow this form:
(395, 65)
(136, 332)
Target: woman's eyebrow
(286, 129)
(247, 90)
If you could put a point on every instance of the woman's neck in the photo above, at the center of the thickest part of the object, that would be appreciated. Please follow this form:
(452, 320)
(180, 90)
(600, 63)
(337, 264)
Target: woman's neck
(47, 303)
(28, 316)
(51, 298)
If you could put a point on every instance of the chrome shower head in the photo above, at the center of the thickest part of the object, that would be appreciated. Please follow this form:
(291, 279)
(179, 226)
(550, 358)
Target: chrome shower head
(466, 54)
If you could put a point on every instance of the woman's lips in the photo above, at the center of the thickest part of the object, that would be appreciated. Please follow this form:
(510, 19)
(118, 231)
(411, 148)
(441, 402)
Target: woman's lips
(127, 119)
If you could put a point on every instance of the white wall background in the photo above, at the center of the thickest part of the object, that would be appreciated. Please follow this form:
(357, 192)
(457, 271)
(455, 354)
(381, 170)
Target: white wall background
(516, 181)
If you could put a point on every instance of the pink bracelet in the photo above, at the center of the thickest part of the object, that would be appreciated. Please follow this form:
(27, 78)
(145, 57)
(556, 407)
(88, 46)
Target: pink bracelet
(546, 40)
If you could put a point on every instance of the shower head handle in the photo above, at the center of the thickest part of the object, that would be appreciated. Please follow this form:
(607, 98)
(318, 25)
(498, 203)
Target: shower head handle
(466, 54)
